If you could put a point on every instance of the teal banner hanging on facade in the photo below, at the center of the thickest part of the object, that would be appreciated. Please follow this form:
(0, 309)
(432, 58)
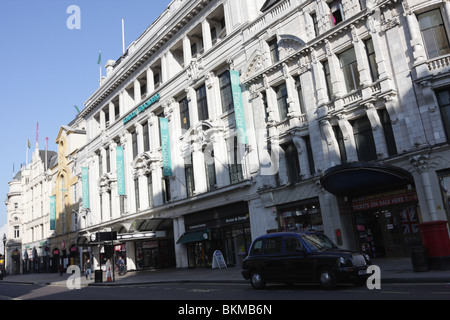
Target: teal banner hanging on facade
(165, 146)
(85, 187)
(238, 107)
(53, 213)
(120, 171)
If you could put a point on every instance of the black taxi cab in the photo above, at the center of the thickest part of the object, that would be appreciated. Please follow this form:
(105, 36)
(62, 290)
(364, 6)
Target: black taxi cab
(302, 257)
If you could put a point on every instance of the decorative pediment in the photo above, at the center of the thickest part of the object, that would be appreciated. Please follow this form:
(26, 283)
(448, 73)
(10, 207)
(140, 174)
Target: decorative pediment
(255, 66)
(289, 44)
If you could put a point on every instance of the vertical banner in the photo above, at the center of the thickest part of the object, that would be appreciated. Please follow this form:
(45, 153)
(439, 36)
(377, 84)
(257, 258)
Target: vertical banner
(238, 107)
(53, 213)
(165, 146)
(85, 187)
(120, 171)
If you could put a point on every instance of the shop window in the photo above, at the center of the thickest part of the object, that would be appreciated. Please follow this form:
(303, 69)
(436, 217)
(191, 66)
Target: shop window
(349, 68)
(444, 104)
(304, 216)
(433, 33)
(281, 93)
(365, 143)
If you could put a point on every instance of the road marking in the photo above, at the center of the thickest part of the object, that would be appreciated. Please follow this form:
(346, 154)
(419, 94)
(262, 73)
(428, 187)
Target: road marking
(395, 292)
(440, 293)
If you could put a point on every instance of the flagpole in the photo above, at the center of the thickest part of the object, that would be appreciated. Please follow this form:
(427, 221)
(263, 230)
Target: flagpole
(26, 145)
(123, 36)
(100, 64)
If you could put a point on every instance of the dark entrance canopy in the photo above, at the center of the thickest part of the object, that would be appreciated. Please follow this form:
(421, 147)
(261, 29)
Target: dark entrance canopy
(362, 177)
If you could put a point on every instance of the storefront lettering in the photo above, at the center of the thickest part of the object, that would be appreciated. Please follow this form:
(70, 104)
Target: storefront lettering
(142, 108)
(376, 203)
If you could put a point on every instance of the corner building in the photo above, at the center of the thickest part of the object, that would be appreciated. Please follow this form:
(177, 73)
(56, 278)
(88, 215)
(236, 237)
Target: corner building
(345, 125)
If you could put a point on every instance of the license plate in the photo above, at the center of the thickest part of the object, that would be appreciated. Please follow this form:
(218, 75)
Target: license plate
(362, 272)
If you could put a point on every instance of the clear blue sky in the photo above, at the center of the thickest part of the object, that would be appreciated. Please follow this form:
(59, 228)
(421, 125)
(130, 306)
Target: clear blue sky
(46, 68)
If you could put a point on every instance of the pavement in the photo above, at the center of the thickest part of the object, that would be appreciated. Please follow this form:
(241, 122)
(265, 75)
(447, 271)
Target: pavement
(393, 270)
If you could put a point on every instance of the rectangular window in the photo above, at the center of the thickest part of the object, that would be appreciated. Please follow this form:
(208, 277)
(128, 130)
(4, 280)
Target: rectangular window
(134, 144)
(202, 103)
(108, 160)
(281, 92)
(315, 24)
(312, 167)
(388, 132)
(301, 101)
(444, 104)
(184, 114)
(136, 192)
(145, 132)
(337, 12)
(292, 163)
(100, 164)
(211, 174)
(166, 189)
(273, 49)
(340, 140)
(235, 166)
(150, 190)
(365, 143)
(189, 173)
(225, 91)
(433, 33)
(16, 232)
(372, 60)
(349, 68)
(326, 71)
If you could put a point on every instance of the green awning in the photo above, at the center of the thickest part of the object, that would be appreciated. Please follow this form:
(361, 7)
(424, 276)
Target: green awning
(195, 236)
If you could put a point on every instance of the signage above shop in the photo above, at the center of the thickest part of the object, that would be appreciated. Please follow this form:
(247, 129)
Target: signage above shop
(142, 108)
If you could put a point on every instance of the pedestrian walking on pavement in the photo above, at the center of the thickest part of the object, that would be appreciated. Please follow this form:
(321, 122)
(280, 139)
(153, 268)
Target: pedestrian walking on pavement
(87, 269)
(121, 266)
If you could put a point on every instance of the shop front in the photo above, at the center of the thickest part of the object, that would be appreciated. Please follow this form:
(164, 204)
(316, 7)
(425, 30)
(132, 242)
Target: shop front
(387, 224)
(381, 205)
(226, 229)
(147, 249)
